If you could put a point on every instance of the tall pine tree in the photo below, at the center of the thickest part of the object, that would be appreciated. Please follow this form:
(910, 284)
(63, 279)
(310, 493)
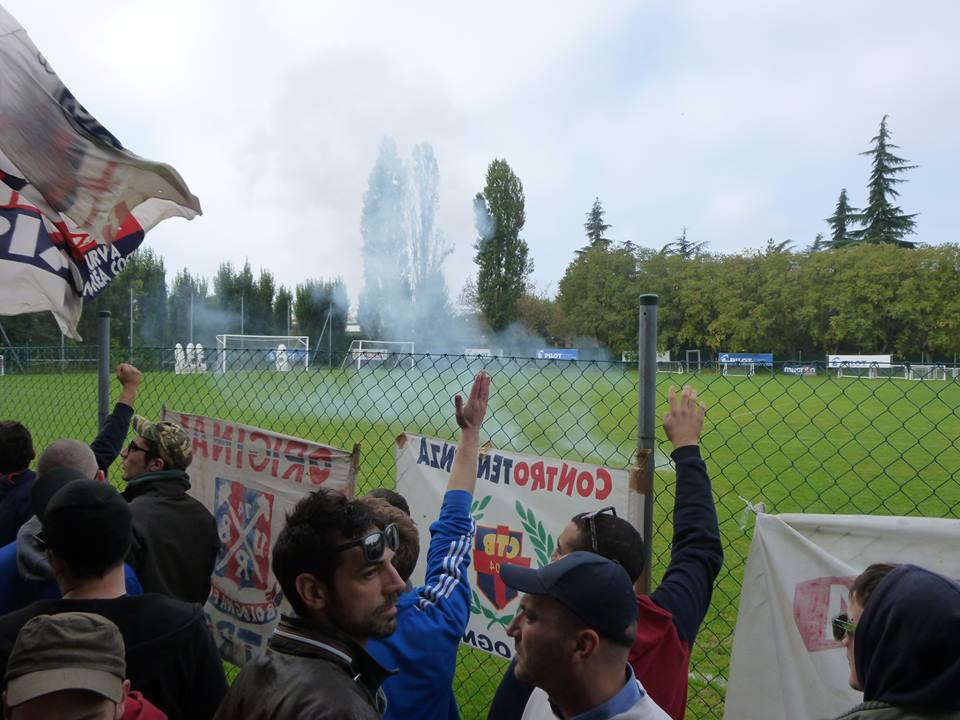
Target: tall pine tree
(596, 227)
(884, 222)
(844, 216)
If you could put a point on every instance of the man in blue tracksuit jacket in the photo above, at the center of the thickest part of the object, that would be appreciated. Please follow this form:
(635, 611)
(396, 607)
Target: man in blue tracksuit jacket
(431, 619)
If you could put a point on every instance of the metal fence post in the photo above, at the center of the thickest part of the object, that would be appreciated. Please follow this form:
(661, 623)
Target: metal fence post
(646, 429)
(103, 368)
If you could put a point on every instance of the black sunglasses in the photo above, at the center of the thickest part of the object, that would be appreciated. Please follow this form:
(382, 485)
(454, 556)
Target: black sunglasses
(133, 447)
(375, 544)
(590, 517)
(842, 626)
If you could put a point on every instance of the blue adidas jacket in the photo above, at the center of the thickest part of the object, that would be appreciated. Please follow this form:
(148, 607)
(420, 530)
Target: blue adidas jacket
(431, 620)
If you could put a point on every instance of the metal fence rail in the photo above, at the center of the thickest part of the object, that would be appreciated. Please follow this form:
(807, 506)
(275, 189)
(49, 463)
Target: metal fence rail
(798, 442)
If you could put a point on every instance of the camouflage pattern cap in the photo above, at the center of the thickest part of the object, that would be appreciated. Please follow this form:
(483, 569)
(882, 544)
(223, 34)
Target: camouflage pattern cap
(172, 442)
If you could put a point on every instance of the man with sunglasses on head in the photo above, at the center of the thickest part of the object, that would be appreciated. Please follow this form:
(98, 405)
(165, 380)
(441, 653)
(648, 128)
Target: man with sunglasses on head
(901, 632)
(175, 538)
(333, 562)
(668, 619)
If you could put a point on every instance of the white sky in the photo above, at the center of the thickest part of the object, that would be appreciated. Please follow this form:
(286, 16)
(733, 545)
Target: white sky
(741, 120)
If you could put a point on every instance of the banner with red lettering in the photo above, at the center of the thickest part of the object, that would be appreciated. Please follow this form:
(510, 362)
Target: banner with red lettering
(521, 504)
(786, 664)
(250, 478)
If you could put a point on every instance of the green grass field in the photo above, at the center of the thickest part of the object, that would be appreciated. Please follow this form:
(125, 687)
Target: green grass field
(822, 445)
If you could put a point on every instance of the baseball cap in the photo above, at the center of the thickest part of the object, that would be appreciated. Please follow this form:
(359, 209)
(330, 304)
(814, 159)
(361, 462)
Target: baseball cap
(172, 442)
(69, 651)
(47, 485)
(596, 590)
(87, 520)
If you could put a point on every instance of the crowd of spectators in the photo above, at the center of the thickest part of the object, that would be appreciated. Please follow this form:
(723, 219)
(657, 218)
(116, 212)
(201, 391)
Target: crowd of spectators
(101, 596)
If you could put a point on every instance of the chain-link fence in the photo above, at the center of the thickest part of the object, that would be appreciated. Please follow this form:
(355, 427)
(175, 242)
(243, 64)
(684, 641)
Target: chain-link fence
(800, 439)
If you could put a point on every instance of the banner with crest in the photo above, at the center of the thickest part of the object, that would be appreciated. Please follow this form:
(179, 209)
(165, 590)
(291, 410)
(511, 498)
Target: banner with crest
(521, 504)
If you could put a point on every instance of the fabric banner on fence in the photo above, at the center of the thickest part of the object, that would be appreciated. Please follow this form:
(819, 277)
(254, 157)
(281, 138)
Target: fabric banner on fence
(521, 504)
(785, 663)
(250, 478)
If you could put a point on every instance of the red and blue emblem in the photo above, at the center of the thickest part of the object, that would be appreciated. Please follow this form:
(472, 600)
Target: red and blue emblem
(494, 547)
(243, 518)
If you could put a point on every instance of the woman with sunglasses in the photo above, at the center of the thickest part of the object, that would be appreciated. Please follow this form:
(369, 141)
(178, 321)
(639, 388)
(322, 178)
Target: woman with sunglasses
(901, 632)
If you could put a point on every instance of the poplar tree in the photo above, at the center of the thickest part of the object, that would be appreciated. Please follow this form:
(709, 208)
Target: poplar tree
(502, 257)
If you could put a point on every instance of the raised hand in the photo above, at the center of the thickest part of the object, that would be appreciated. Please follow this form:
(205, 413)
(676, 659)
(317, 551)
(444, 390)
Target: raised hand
(683, 422)
(470, 414)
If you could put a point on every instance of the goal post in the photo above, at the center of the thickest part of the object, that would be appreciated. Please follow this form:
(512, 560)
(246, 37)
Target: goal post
(926, 372)
(262, 352)
(745, 369)
(380, 353)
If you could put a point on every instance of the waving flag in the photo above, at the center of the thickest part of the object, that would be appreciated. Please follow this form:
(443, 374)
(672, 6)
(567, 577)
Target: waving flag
(78, 201)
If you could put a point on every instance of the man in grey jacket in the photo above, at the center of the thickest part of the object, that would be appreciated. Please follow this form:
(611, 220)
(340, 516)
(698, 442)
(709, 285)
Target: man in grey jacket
(333, 562)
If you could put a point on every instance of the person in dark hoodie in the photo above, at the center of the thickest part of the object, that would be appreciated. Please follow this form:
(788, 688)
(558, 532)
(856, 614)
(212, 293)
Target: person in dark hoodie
(17, 452)
(175, 538)
(902, 636)
(170, 654)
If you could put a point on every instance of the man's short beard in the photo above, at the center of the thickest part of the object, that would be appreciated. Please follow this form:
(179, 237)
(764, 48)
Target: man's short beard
(377, 625)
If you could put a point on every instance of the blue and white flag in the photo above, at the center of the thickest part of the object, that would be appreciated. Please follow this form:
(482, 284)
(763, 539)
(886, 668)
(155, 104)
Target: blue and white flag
(76, 203)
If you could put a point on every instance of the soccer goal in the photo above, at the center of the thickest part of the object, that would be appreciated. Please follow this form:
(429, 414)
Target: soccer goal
(745, 369)
(926, 372)
(379, 353)
(260, 352)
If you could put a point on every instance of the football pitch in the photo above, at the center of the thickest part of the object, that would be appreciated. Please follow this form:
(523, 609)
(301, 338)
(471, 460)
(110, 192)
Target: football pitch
(798, 444)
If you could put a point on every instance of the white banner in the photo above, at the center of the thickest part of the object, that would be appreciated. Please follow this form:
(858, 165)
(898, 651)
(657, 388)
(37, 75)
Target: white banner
(785, 663)
(250, 479)
(521, 504)
(842, 361)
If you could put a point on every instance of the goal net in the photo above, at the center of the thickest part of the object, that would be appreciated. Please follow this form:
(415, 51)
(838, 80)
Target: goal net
(379, 353)
(875, 371)
(926, 372)
(745, 369)
(262, 352)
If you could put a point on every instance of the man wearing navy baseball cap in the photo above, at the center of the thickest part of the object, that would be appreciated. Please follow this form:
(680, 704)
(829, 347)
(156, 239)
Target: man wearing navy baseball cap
(576, 624)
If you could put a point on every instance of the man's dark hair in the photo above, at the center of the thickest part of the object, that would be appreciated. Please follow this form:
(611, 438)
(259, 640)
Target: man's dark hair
(392, 497)
(617, 540)
(867, 581)
(319, 522)
(16, 447)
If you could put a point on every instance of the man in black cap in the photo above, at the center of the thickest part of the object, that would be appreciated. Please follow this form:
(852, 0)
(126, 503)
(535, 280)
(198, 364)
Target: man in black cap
(573, 633)
(170, 654)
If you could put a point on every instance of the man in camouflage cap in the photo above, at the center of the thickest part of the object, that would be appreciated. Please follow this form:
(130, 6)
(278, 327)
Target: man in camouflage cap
(175, 539)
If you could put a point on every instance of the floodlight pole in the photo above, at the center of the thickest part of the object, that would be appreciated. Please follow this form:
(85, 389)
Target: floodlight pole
(640, 504)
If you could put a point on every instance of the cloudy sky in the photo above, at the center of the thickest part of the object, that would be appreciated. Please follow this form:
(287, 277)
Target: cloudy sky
(738, 120)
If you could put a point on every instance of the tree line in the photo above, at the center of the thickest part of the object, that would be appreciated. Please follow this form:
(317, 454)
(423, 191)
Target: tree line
(194, 309)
